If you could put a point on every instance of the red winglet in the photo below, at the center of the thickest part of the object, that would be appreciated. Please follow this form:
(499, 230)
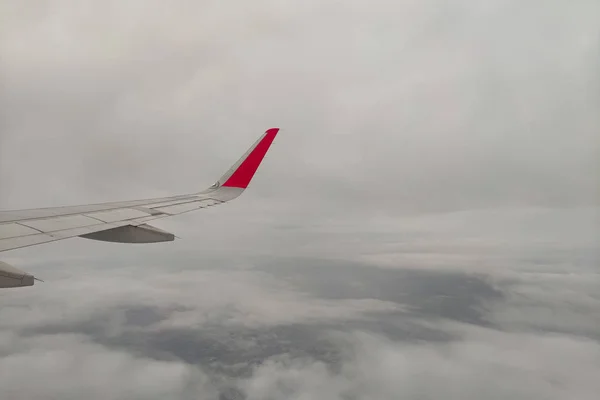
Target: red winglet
(242, 176)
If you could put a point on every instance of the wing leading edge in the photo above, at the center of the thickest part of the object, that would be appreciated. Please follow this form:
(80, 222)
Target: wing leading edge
(123, 222)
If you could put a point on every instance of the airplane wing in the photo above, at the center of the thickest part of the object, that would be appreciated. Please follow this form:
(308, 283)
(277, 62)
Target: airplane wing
(124, 222)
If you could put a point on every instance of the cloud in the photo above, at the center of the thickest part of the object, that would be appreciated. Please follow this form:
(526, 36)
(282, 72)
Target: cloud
(549, 302)
(200, 297)
(486, 364)
(70, 366)
(287, 328)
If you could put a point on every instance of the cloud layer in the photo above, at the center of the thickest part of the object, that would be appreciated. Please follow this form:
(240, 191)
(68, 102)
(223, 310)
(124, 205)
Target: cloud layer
(255, 332)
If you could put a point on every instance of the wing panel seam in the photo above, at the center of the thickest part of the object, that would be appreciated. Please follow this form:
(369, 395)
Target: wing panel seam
(30, 227)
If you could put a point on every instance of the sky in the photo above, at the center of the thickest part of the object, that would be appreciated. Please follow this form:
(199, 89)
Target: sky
(424, 226)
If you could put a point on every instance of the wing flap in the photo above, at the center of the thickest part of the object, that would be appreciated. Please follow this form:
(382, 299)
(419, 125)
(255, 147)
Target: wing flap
(154, 206)
(185, 207)
(24, 241)
(118, 214)
(59, 223)
(84, 230)
(39, 238)
(14, 229)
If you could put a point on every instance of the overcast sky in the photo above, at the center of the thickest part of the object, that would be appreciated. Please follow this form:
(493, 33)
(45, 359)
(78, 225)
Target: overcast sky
(425, 224)
(416, 105)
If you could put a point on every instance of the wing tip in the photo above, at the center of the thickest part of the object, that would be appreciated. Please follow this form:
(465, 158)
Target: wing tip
(247, 167)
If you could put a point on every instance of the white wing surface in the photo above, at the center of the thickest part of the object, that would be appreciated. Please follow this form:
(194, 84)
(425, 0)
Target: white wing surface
(124, 222)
